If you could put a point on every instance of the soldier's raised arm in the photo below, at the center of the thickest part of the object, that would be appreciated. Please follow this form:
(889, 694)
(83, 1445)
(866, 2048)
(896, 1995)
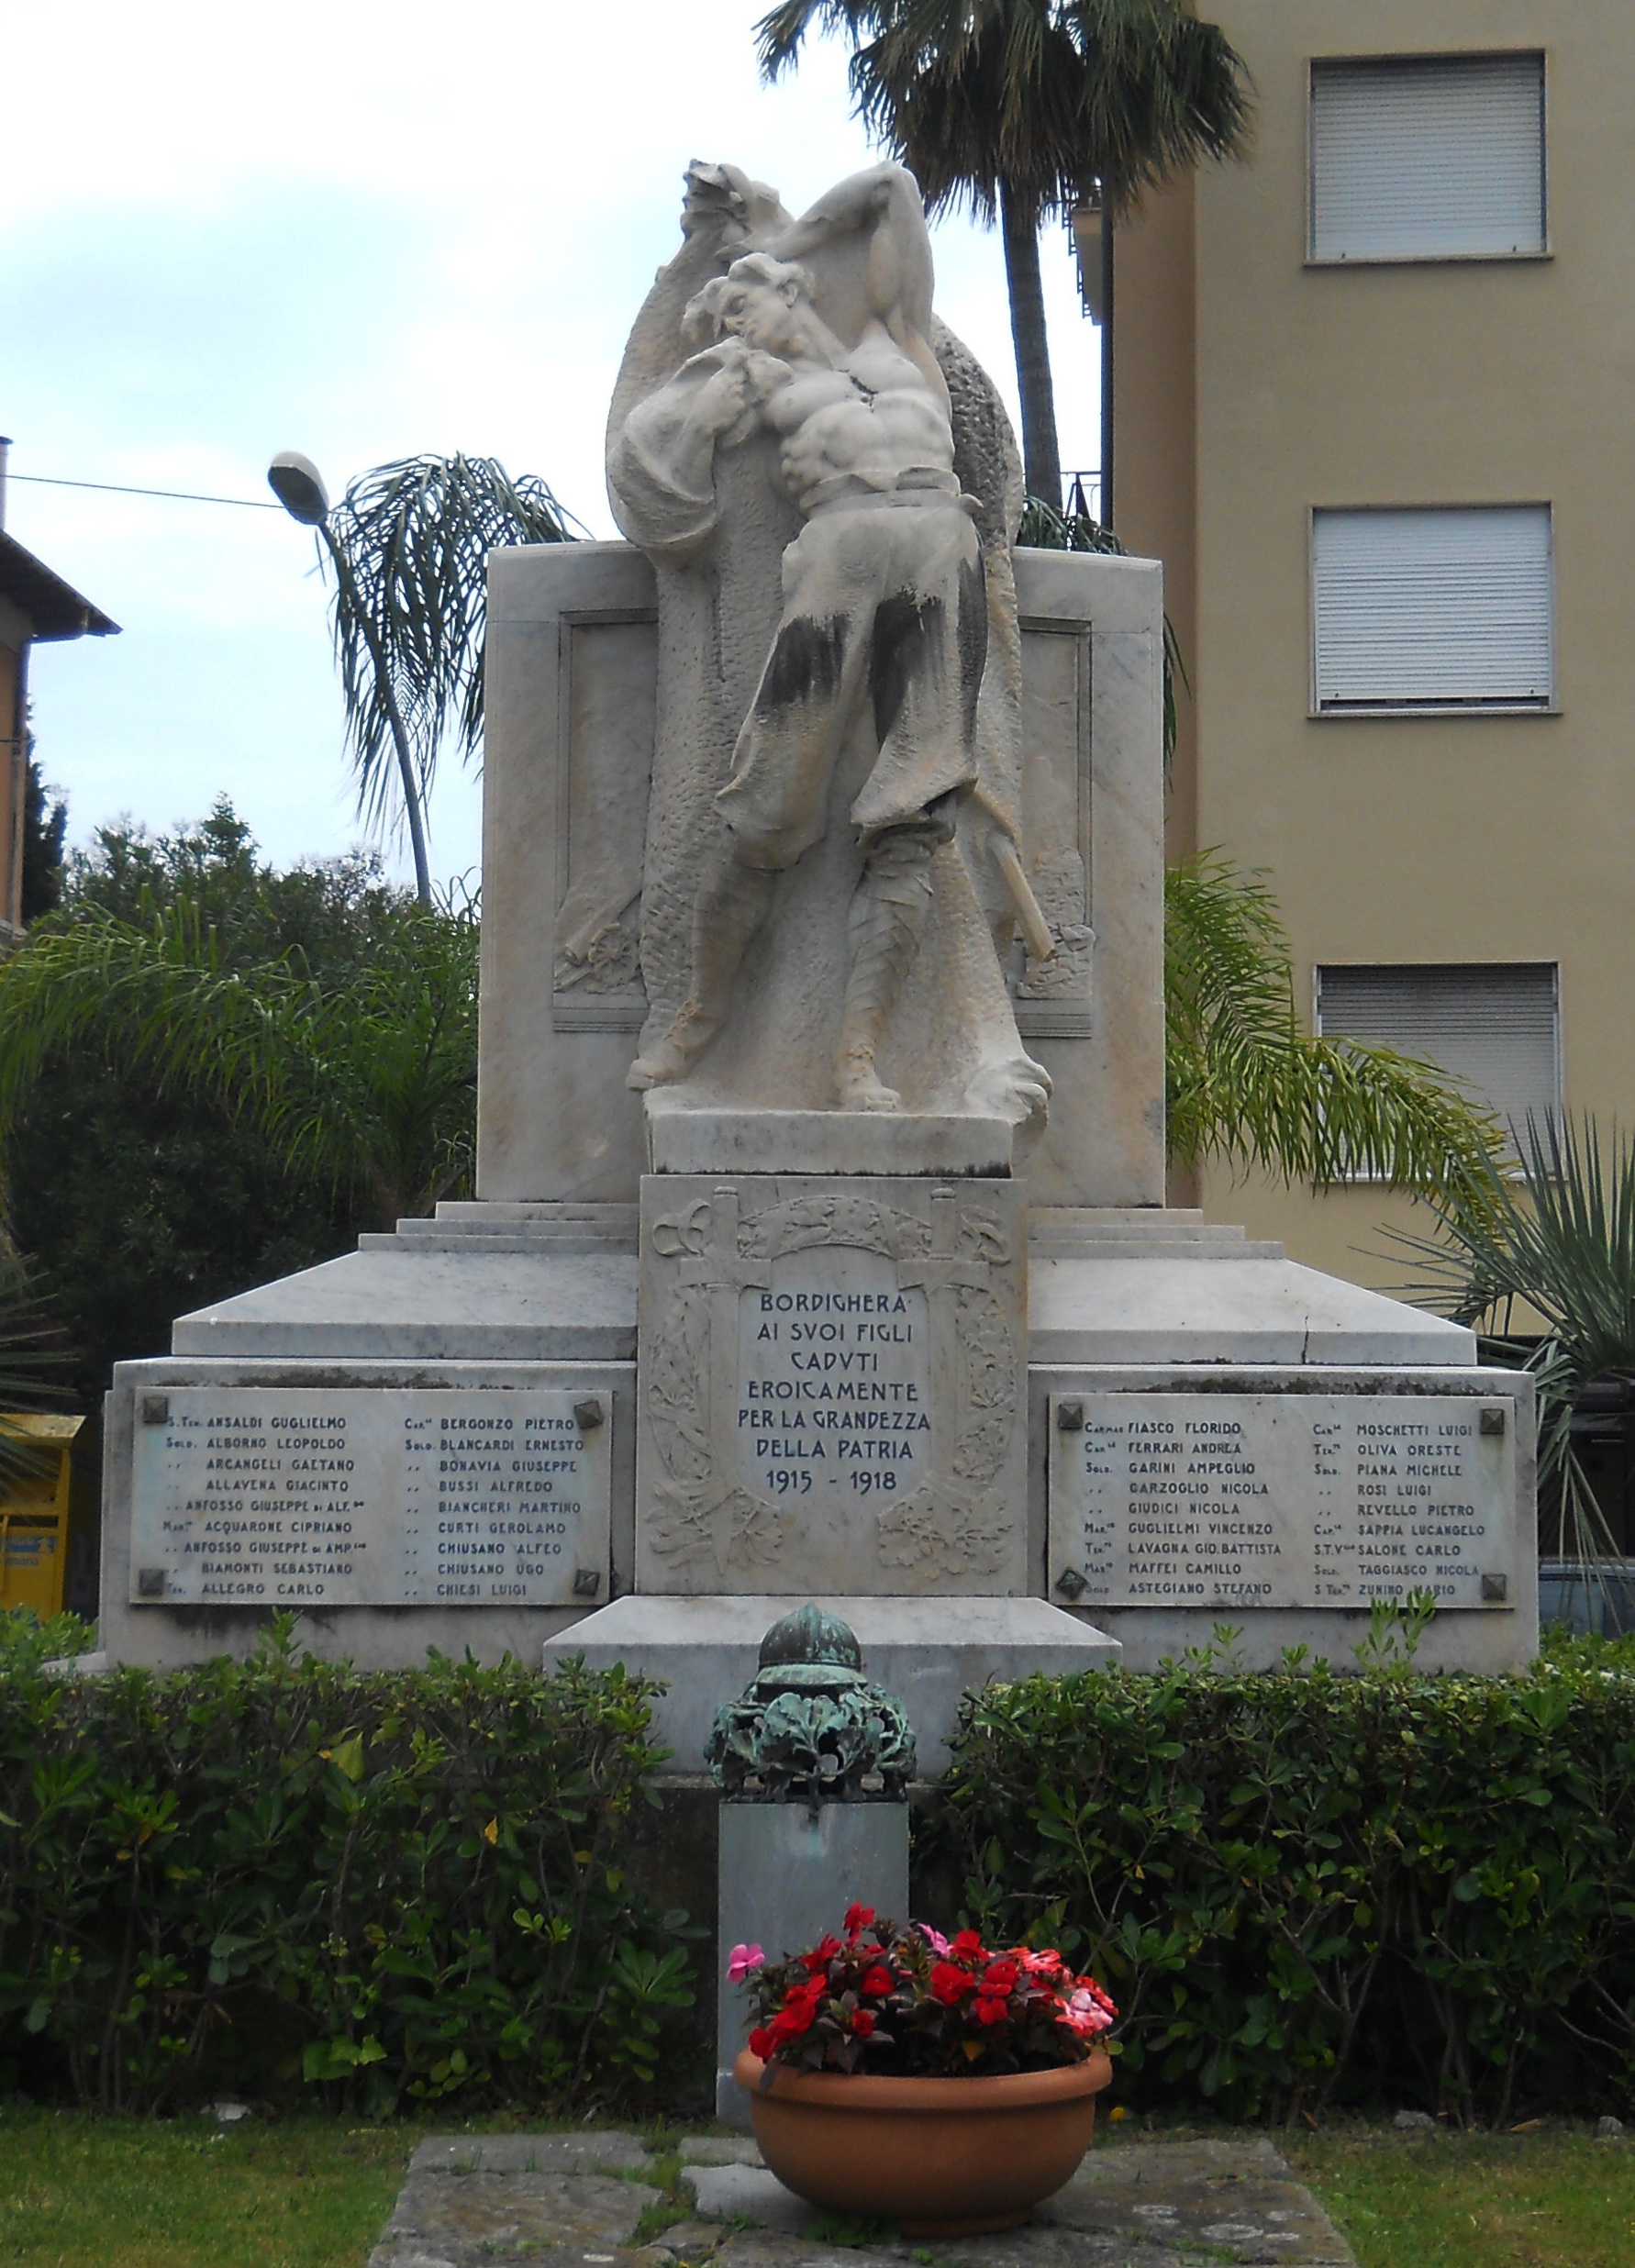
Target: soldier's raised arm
(881, 206)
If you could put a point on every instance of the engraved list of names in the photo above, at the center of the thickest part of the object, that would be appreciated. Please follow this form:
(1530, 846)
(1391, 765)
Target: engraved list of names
(375, 1496)
(1231, 1500)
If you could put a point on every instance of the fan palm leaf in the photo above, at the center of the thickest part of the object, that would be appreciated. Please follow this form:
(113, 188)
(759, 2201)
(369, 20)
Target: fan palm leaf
(1016, 110)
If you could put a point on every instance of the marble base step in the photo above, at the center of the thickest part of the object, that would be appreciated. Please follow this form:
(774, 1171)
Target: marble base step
(928, 1651)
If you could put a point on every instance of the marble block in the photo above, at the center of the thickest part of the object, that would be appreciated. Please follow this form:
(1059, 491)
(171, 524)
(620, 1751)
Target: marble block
(682, 1138)
(831, 1385)
(786, 1878)
(928, 1651)
(574, 690)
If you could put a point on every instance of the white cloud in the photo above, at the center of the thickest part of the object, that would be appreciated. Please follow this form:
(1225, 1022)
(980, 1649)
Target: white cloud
(362, 230)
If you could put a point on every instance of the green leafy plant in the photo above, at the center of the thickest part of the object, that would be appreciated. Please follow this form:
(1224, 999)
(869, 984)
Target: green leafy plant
(417, 1895)
(1308, 1889)
(368, 1086)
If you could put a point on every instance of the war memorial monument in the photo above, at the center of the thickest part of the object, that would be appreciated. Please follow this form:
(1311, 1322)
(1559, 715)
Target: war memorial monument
(820, 1248)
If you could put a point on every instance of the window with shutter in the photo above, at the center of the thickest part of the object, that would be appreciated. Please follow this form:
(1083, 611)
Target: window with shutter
(1437, 157)
(1438, 608)
(1493, 1026)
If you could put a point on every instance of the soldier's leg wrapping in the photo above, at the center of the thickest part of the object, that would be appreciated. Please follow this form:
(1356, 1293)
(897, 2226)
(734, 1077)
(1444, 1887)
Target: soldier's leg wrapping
(883, 923)
(733, 901)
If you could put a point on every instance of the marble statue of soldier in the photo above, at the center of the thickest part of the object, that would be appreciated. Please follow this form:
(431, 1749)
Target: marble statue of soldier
(876, 658)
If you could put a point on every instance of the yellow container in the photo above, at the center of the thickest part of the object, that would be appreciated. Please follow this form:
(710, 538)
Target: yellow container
(34, 1516)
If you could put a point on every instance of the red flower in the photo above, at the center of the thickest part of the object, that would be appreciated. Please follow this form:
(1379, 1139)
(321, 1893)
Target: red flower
(1000, 1976)
(794, 2020)
(862, 2023)
(966, 1944)
(991, 2011)
(858, 1918)
(762, 2042)
(877, 1981)
(949, 1984)
(821, 1955)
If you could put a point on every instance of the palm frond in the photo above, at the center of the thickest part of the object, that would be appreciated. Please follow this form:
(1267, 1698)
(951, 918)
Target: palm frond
(1245, 1082)
(1061, 100)
(369, 1087)
(408, 547)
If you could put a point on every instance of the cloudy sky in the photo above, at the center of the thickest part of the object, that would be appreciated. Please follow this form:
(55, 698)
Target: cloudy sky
(361, 231)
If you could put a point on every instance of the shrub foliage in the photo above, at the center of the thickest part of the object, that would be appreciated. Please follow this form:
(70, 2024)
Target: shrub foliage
(1310, 1887)
(382, 1885)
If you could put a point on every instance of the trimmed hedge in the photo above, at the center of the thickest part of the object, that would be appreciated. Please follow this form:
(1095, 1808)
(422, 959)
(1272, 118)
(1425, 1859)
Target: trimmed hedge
(1306, 1888)
(282, 1870)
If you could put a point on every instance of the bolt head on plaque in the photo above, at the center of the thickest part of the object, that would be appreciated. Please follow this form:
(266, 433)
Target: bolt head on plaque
(809, 1728)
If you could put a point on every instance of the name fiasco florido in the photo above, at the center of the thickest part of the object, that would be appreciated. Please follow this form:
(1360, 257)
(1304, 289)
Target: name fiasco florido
(914, 2003)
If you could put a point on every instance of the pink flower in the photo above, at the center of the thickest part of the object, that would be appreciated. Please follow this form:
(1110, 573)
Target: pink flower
(1088, 2013)
(744, 1958)
(933, 1938)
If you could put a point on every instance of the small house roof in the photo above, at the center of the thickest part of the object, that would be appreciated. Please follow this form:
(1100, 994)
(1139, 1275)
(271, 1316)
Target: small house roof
(55, 608)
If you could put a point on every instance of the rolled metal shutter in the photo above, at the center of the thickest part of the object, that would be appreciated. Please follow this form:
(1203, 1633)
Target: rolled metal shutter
(1428, 157)
(1492, 1026)
(1438, 608)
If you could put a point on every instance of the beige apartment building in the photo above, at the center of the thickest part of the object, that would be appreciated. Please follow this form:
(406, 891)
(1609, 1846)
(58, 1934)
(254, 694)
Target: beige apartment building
(1374, 406)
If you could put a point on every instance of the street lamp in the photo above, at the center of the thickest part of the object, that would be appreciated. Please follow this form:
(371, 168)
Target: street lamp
(298, 485)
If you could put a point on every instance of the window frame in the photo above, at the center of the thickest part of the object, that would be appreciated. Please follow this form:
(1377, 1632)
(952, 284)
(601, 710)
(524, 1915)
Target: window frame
(1462, 712)
(1328, 262)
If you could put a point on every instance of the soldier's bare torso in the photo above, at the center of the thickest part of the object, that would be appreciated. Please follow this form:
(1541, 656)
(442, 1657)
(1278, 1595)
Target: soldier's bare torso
(870, 416)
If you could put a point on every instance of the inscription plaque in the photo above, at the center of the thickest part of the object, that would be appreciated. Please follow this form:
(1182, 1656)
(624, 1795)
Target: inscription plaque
(1233, 1500)
(370, 1497)
(830, 1386)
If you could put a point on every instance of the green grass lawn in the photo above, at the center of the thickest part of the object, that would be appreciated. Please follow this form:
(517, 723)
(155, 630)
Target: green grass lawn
(1552, 2199)
(77, 2192)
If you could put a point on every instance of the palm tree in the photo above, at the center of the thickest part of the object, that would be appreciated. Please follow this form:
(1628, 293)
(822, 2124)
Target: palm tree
(408, 544)
(368, 1086)
(1246, 1083)
(1020, 108)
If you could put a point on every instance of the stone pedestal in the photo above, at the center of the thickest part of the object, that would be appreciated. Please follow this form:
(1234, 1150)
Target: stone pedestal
(787, 1876)
(831, 1384)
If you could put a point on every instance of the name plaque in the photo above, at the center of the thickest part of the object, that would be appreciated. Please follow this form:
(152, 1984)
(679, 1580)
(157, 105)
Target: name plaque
(1233, 1500)
(370, 1497)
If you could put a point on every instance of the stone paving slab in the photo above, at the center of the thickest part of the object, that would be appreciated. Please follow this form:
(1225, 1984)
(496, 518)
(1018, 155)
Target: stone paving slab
(719, 2149)
(530, 2154)
(498, 2201)
(486, 2220)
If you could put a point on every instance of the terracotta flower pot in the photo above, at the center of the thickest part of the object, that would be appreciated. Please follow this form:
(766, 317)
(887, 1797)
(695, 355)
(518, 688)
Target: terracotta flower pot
(937, 2157)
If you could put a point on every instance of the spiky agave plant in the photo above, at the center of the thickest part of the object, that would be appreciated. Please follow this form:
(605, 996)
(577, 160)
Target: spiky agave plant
(1246, 1083)
(407, 546)
(1548, 1238)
